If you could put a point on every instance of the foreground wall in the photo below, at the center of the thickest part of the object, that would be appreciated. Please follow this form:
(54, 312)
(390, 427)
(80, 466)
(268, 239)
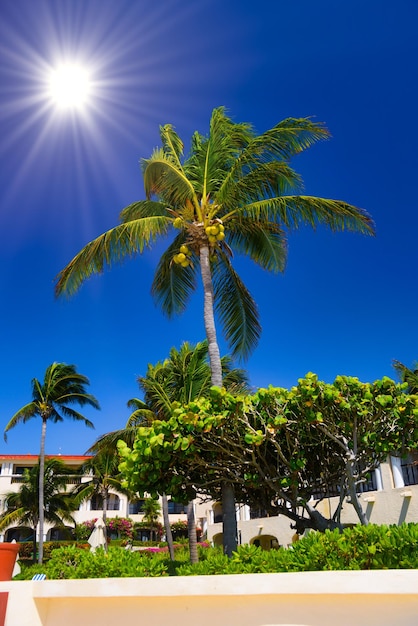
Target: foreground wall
(380, 598)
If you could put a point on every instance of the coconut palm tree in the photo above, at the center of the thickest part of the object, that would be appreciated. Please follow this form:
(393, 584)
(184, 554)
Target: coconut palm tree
(23, 505)
(52, 401)
(103, 472)
(235, 192)
(151, 509)
(184, 376)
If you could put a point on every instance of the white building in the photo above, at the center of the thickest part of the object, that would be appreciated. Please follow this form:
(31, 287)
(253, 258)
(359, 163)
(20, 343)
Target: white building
(390, 497)
(11, 478)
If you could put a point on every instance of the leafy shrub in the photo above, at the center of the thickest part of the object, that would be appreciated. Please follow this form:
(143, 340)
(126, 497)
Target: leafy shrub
(26, 549)
(357, 548)
(360, 547)
(73, 562)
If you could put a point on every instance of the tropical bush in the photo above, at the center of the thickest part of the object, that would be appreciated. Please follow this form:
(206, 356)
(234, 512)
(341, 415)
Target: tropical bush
(180, 530)
(122, 527)
(358, 548)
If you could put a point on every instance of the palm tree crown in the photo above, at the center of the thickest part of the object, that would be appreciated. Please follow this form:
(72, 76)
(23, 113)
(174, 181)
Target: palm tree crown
(52, 400)
(23, 505)
(233, 193)
(62, 386)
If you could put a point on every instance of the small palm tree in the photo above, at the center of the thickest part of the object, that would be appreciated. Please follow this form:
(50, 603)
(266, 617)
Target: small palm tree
(151, 509)
(103, 472)
(23, 505)
(52, 401)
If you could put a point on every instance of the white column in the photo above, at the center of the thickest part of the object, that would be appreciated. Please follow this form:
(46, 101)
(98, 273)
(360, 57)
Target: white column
(378, 477)
(398, 480)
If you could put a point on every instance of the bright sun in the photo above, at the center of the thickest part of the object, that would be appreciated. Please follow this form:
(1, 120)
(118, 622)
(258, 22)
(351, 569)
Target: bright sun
(69, 87)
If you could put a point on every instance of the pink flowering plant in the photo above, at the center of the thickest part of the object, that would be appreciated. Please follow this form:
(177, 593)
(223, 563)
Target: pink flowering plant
(120, 526)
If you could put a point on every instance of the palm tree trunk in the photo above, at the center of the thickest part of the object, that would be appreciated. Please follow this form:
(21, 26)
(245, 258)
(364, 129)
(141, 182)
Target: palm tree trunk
(35, 527)
(230, 531)
(105, 497)
(41, 492)
(230, 541)
(168, 533)
(209, 318)
(191, 530)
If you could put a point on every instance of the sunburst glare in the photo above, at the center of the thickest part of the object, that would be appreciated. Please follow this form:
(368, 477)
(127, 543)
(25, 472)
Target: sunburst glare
(70, 86)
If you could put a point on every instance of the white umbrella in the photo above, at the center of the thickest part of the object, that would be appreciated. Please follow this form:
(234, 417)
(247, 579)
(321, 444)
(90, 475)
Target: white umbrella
(97, 538)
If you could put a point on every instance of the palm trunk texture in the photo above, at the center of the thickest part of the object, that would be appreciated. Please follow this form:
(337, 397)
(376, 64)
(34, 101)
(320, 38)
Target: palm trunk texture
(191, 530)
(168, 533)
(230, 540)
(41, 492)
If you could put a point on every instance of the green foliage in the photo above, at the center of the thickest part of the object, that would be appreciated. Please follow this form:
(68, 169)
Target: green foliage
(358, 548)
(277, 446)
(72, 562)
(26, 549)
(231, 194)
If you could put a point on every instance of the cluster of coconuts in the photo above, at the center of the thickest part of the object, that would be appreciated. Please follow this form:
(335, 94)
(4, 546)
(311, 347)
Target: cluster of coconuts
(182, 258)
(215, 232)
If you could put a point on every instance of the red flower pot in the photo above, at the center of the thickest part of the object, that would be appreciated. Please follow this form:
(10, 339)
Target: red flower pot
(8, 556)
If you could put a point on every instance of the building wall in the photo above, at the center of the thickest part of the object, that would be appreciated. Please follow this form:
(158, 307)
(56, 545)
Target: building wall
(368, 598)
(391, 503)
(9, 481)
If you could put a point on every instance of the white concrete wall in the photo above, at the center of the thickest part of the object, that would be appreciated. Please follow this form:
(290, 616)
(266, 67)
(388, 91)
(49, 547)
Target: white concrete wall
(380, 598)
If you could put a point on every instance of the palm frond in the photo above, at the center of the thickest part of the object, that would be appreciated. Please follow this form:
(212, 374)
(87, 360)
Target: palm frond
(13, 517)
(280, 143)
(213, 156)
(24, 414)
(293, 211)
(264, 242)
(286, 139)
(173, 284)
(407, 375)
(113, 246)
(143, 208)
(75, 415)
(108, 441)
(236, 308)
(266, 180)
(167, 181)
(172, 144)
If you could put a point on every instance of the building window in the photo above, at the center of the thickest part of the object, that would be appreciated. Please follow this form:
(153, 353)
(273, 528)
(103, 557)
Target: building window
(135, 507)
(59, 534)
(217, 513)
(409, 467)
(176, 508)
(113, 503)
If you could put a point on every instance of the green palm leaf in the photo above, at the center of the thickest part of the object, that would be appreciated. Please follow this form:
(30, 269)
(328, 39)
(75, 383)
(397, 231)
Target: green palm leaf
(172, 144)
(293, 211)
(173, 284)
(236, 307)
(143, 208)
(264, 242)
(165, 179)
(113, 246)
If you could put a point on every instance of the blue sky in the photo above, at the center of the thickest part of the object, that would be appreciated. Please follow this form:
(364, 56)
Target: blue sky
(346, 304)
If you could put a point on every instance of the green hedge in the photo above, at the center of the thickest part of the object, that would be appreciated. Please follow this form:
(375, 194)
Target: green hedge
(26, 549)
(357, 548)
